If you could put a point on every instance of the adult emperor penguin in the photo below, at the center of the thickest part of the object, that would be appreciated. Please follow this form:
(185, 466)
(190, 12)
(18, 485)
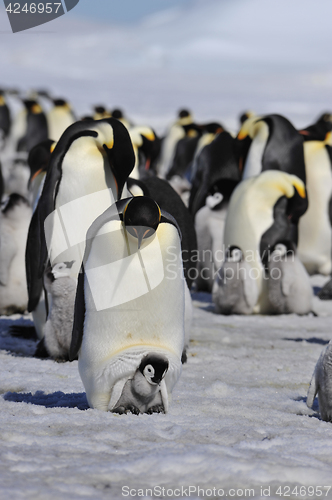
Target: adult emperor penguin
(146, 147)
(274, 145)
(38, 161)
(215, 163)
(321, 384)
(289, 288)
(59, 118)
(260, 214)
(87, 172)
(174, 134)
(100, 112)
(130, 308)
(35, 130)
(14, 223)
(315, 231)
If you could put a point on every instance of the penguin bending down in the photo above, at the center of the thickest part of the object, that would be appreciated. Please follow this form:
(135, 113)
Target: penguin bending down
(321, 384)
(130, 304)
(14, 223)
(260, 215)
(59, 325)
(289, 288)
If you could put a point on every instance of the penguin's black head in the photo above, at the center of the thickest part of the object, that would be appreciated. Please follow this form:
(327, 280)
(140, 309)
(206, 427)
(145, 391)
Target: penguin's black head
(59, 102)
(141, 217)
(234, 254)
(183, 113)
(117, 113)
(100, 109)
(154, 368)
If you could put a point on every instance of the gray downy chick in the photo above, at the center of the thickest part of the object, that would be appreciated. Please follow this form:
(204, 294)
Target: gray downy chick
(61, 289)
(142, 393)
(321, 384)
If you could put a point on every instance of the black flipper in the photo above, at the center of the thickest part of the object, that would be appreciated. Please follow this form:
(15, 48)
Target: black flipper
(166, 217)
(79, 316)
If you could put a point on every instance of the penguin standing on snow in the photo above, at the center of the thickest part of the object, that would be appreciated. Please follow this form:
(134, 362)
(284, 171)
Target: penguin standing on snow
(123, 328)
(261, 214)
(234, 291)
(321, 384)
(87, 172)
(289, 288)
(14, 223)
(59, 325)
(272, 143)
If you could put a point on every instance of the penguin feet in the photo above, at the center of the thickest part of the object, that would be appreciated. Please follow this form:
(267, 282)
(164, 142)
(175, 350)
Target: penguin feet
(126, 409)
(156, 409)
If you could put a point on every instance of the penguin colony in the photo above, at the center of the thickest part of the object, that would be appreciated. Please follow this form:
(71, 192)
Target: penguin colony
(106, 229)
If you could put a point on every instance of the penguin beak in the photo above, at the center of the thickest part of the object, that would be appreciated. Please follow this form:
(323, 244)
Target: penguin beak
(34, 176)
(140, 233)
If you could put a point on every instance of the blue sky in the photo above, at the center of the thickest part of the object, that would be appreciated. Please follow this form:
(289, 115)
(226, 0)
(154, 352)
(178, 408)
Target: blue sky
(124, 11)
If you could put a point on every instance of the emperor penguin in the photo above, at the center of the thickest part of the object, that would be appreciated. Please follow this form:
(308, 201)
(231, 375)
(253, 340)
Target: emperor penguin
(175, 132)
(260, 214)
(5, 120)
(215, 163)
(274, 144)
(14, 223)
(119, 115)
(289, 288)
(234, 290)
(146, 146)
(87, 172)
(57, 332)
(321, 384)
(315, 230)
(129, 309)
(184, 151)
(59, 118)
(38, 161)
(35, 128)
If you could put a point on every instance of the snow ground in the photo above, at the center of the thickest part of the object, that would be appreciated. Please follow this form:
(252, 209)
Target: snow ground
(238, 418)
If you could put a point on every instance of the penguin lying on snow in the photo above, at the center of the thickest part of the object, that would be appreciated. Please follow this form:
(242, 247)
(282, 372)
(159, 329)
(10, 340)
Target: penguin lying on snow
(129, 304)
(321, 384)
(14, 223)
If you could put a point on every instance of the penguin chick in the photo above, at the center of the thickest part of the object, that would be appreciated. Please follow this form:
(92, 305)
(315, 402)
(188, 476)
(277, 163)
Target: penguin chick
(234, 290)
(321, 384)
(58, 328)
(14, 223)
(289, 288)
(142, 393)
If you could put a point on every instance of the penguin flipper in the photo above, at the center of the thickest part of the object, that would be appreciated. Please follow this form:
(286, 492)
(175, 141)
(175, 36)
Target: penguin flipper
(32, 262)
(79, 315)
(168, 218)
(313, 390)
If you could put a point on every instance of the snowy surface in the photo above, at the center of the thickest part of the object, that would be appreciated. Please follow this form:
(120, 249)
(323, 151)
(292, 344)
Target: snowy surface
(238, 418)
